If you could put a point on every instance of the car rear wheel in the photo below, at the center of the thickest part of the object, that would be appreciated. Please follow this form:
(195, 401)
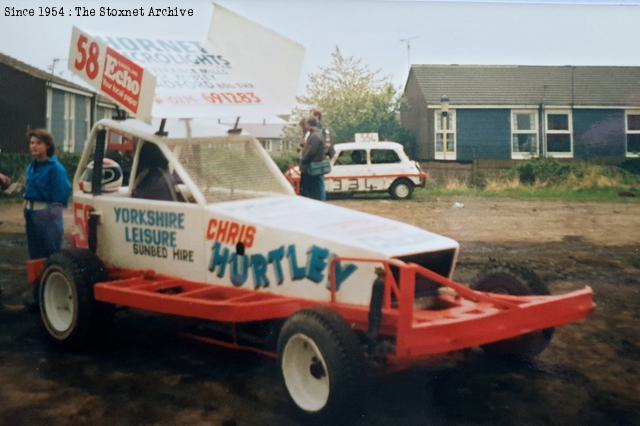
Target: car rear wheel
(322, 365)
(70, 315)
(519, 281)
(401, 189)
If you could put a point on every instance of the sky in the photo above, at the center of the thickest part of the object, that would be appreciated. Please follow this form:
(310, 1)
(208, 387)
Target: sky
(544, 32)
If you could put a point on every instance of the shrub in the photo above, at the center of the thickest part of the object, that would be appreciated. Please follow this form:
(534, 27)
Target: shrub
(631, 165)
(70, 163)
(15, 165)
(283, 162)
(544, 172)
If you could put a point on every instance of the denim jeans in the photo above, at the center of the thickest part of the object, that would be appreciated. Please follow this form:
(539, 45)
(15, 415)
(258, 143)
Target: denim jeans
(44, 230)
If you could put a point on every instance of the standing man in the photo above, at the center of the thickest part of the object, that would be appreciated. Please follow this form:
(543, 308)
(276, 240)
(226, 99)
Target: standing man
(46, 194)
(313, 150)
(328, 147)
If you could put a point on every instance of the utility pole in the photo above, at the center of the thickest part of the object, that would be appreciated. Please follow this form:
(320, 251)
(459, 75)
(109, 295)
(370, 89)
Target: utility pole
(407, 41)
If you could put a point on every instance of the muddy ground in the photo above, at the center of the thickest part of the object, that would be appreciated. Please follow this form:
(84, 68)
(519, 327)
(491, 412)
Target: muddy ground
(144, 373)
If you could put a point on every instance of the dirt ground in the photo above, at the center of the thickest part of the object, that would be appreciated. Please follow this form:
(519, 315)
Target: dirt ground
(146, 374)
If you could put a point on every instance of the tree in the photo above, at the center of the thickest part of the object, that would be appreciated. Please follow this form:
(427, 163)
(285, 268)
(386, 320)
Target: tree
(353, 99)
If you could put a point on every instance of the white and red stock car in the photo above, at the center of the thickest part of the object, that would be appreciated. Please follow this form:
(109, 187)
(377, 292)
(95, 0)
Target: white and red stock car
(359, 167)
(326, 290)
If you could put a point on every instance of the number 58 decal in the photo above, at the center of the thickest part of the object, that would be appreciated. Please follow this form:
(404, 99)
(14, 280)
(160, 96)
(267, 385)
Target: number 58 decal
(88, 59)
(86, 56)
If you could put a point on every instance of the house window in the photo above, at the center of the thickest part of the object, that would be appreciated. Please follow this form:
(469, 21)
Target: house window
(87, 117)
(69, 128)
(559, 129)
(633, 133)
(524, 134)
(49, 106)
(266, 144)
(445, 134)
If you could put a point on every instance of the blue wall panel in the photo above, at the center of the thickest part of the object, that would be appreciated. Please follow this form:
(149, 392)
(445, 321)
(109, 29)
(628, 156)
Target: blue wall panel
(57, 118)
(80, 122)
(483, 134)
(598, 133)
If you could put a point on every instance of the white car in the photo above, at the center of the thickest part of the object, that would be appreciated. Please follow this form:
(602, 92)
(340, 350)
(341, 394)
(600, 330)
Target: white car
(222, 239)
(359, 167)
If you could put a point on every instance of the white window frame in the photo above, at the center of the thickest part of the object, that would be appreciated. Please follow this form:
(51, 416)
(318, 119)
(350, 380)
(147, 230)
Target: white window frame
(515, 131)
(450, 132)
(627, 132)
(49, 106)
(569, 131)
(69, 127)
(87, 117)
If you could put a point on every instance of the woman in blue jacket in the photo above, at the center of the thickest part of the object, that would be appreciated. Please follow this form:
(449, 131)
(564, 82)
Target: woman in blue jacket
(46, 194)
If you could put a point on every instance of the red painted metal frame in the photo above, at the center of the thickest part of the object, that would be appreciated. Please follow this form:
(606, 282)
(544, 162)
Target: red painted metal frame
(35, 268)
(469, 318)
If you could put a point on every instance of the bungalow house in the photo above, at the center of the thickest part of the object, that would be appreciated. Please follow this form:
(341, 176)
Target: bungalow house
(33, 98)
(479, 112)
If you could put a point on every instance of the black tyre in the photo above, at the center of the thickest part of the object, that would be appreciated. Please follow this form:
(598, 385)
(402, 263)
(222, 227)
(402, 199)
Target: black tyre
(401, 189)
(70, 315)
(518, 281)
(322, 365)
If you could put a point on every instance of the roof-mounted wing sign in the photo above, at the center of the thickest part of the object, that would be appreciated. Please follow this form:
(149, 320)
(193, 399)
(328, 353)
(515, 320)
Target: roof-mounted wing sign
(259, 56)
(243, 69)
(112, 74)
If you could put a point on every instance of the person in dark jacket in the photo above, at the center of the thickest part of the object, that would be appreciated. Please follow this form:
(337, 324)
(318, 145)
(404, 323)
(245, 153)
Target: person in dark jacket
(46, 194)
(329, 151)
(313, 150)
(154, 182)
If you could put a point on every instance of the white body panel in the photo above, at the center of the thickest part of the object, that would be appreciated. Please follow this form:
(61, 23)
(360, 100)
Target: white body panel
(281, 244)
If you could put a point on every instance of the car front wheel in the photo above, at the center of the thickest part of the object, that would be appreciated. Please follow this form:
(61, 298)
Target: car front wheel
(69, 313)
(322, 365)
(401, 189)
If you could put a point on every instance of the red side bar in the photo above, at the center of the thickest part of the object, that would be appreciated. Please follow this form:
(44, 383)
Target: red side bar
(34, 270)
(195, 300)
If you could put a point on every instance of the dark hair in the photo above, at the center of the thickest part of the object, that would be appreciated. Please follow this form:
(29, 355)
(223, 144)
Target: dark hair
(312, 122)
(45, 137)
(316, 113)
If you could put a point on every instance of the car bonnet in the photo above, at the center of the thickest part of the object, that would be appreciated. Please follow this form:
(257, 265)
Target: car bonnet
(333, 224)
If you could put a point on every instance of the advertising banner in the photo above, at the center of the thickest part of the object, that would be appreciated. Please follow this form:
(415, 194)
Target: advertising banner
(241, 70)
(112, 74)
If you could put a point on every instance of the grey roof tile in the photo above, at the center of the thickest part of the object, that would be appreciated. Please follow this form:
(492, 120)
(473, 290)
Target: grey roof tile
(524, 84)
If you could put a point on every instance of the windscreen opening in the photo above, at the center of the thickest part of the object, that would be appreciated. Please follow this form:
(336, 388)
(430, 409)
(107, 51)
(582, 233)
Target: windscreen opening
(230, 171)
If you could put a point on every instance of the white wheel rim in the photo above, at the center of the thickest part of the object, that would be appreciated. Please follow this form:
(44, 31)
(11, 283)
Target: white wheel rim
(305, 373)
(58, 301)
(402, 191)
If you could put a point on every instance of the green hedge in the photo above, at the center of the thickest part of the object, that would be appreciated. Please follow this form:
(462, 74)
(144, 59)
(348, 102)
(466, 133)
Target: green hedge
(14, 165)
(631, 165)
(552, 172)
(284, 161)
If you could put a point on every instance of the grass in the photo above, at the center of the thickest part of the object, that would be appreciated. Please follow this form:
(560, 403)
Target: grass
(549, 179)
(531, 193)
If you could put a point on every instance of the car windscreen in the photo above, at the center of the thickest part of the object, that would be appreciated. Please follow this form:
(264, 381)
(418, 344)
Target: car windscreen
(229, 171)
